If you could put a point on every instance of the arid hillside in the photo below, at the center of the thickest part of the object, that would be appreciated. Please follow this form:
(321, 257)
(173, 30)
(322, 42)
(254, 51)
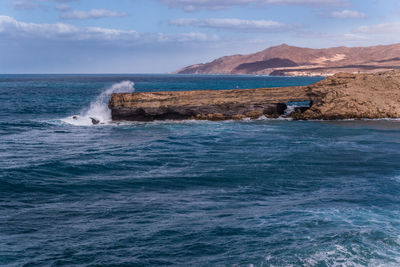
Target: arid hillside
(297, 61)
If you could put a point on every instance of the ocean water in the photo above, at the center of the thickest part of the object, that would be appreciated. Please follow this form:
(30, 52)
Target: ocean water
(194, 193)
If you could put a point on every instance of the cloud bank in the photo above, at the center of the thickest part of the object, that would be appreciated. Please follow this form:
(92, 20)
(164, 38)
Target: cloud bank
(66, 32)
(30, 4)
(233, 24)
(380, 29)
(347, 14)
(193, 5)
(12, 27)
(92, 14)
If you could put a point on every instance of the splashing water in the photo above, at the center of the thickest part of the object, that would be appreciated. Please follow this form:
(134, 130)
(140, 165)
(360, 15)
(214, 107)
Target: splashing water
(98, 111)
(291, 106)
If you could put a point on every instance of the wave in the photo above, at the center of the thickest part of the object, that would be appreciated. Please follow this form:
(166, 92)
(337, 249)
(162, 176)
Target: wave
(98, 111)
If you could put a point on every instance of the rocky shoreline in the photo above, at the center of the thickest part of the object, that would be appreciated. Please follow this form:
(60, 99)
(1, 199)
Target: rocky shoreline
(341, 96)
(354, 96)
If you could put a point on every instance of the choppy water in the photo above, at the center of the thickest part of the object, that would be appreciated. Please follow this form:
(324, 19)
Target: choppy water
(267, 192)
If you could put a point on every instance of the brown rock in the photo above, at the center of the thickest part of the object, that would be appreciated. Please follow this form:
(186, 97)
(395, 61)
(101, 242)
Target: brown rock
(342, 96)
(273, 116)
(349, 96)
(238, 117)
(198, 104)
(254, 114)
(216, 117)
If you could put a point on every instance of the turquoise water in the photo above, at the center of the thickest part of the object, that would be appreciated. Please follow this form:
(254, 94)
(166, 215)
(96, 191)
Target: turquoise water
(262, 193)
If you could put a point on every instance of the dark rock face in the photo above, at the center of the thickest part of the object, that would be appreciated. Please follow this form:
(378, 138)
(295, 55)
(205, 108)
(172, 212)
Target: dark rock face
(266, 64)
(211, 112)
(301, 109)
(94, 121)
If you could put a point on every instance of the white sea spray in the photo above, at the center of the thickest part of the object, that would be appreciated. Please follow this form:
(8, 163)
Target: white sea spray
(98, 110)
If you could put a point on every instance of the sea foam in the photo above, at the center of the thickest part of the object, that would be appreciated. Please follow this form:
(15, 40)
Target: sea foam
(98, 110)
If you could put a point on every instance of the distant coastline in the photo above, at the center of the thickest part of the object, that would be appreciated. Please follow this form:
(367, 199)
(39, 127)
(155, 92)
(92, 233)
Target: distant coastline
(285, 60)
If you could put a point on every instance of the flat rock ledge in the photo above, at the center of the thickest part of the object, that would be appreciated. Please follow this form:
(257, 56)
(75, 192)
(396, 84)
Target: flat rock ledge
(342, 96)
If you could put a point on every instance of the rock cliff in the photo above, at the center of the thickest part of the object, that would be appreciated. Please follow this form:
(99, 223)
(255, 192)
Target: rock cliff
(354, 96)
(342, 96)
(204, 104)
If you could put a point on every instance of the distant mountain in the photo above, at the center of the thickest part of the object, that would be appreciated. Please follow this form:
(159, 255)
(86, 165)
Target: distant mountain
(298, 61)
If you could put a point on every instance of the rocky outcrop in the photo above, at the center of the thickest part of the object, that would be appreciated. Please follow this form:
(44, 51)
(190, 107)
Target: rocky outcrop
(342, 96)
(354, 96)
(288, 60)
(204, 104)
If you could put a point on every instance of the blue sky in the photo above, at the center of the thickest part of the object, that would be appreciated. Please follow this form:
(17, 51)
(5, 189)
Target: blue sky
(158, 36)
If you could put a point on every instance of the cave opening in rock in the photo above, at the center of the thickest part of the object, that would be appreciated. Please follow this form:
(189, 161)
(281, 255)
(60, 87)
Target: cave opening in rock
(299, 106)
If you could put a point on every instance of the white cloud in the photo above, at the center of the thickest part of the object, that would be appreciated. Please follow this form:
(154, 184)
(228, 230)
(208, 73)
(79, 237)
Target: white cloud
(12, 27)
(304, 2)
(386, 33)
(192, 5)
(352, 36)
(384, 28)
(92, 14)
(186, 37)
(232, 24)
(347, 14)
(30, 4)
(24, 4)
(67, 32)
(63, 7)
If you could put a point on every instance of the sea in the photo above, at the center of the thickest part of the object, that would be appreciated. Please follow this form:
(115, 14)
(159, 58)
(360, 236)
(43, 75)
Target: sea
(265, 192)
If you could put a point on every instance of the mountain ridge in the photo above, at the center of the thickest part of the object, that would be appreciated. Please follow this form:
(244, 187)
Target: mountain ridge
(289, 60)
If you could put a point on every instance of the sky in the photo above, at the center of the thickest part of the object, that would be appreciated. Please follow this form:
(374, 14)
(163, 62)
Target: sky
(162, 36)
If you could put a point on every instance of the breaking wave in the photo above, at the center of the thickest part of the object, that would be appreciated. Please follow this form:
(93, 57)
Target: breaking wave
(98, 111)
